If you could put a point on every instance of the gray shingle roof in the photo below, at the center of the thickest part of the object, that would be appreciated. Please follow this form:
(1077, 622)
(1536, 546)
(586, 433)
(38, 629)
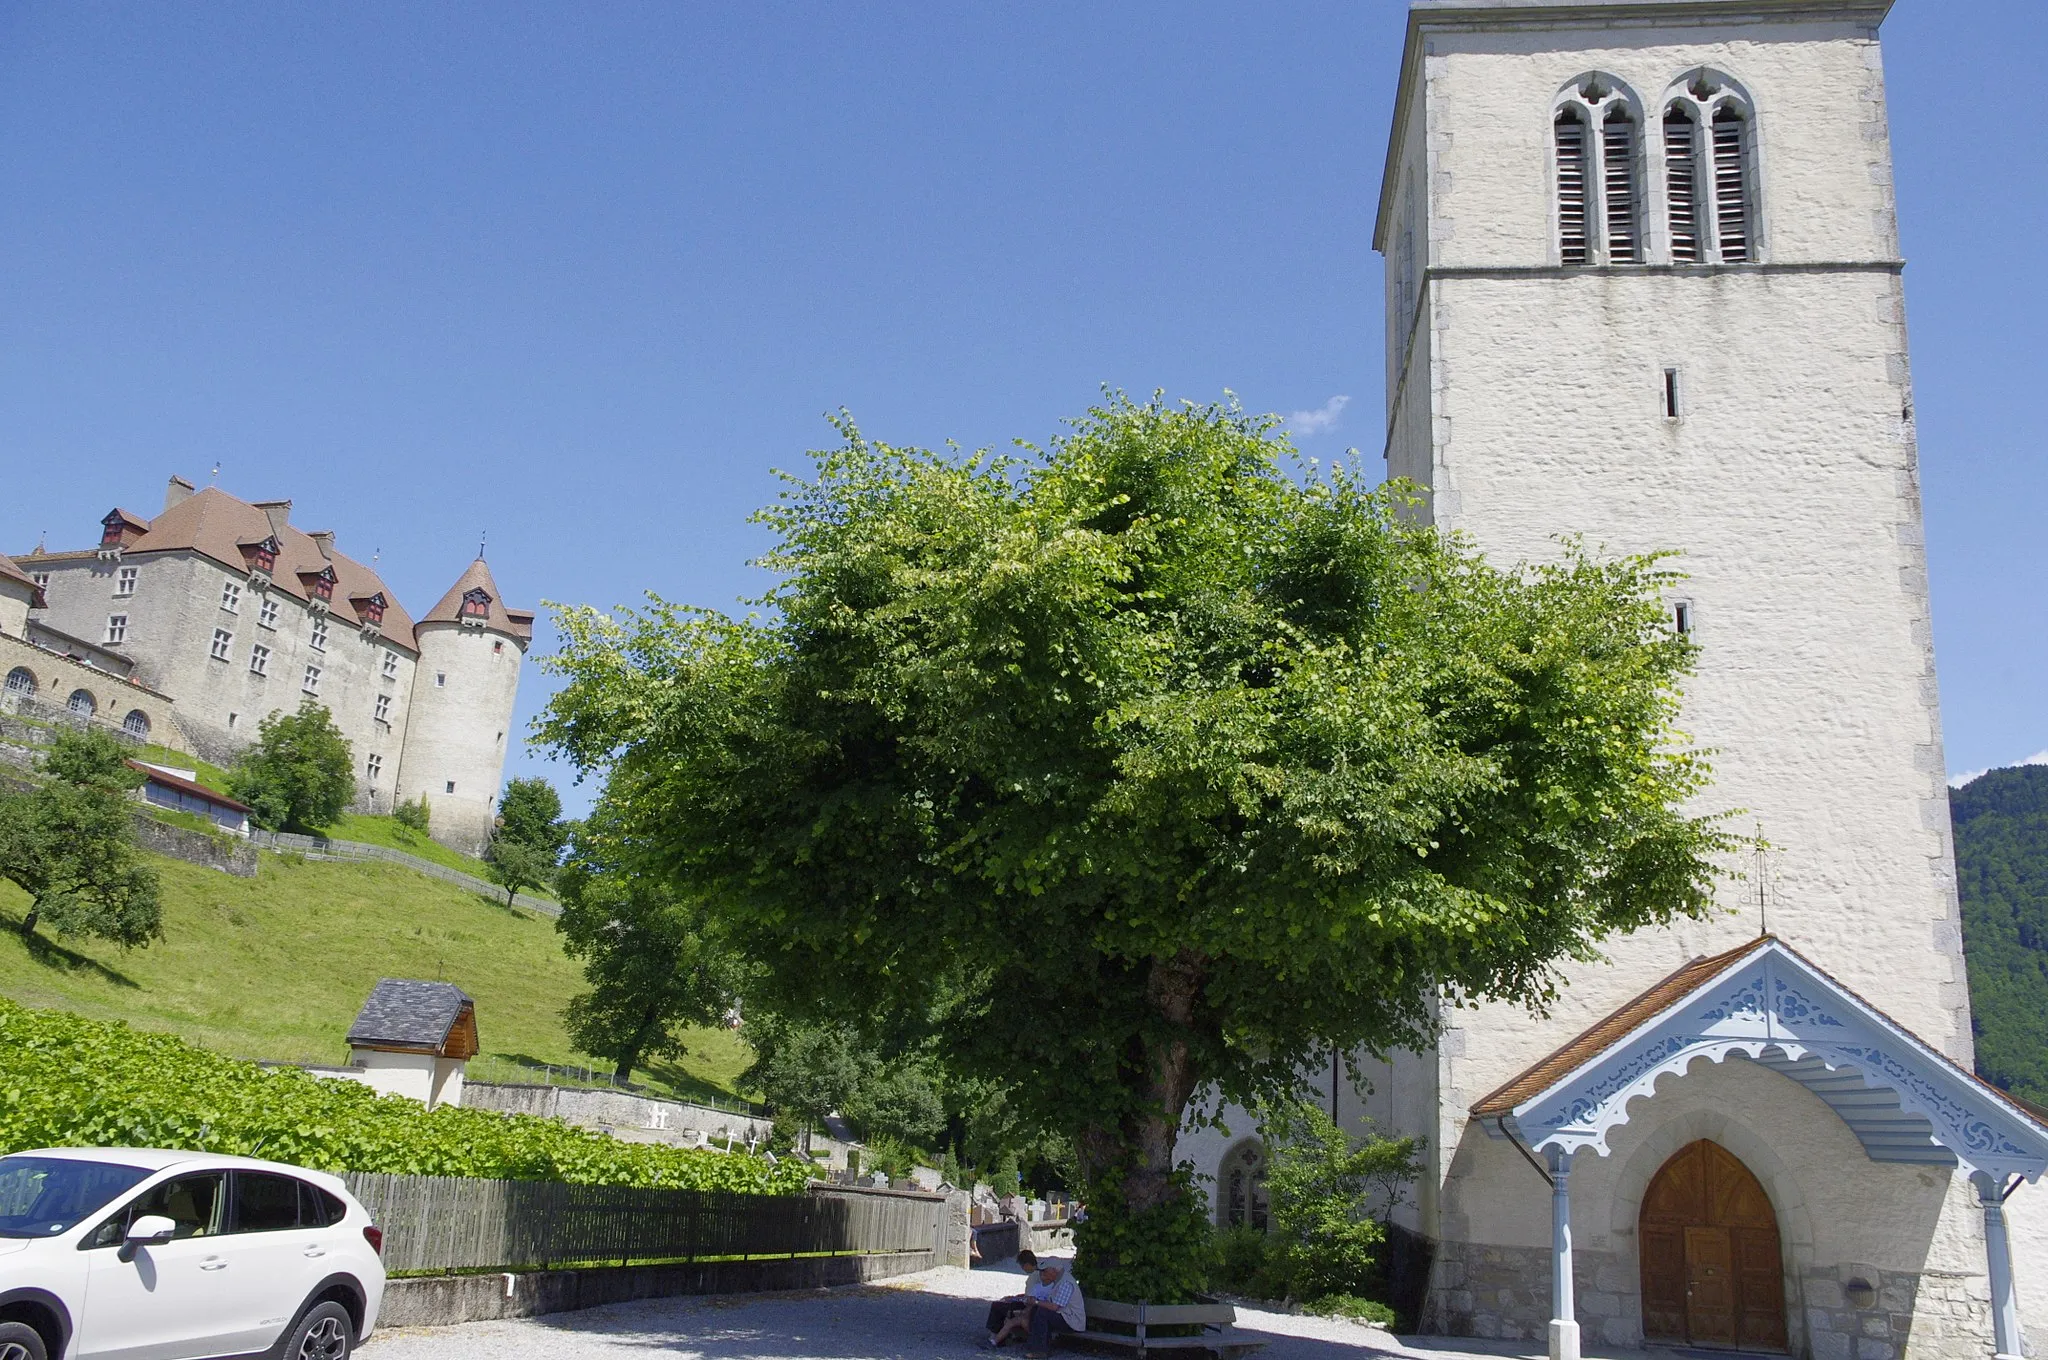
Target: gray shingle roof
(409, 1014)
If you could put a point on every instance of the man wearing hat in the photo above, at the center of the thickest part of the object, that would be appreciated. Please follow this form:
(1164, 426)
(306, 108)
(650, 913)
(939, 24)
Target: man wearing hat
(1059, 1312)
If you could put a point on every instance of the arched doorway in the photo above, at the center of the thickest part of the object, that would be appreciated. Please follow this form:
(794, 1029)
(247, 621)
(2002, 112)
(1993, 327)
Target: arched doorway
(1244, 1185)
(1712, 1270)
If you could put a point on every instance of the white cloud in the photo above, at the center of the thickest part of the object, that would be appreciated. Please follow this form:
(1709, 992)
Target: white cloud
(1320, 420)
(1956, 781)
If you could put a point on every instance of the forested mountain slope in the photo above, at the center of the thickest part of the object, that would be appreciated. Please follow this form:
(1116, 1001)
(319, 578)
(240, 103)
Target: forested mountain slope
(2001, 826)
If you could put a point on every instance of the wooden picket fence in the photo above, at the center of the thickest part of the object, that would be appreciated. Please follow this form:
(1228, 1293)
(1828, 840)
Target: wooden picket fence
(443, 1223)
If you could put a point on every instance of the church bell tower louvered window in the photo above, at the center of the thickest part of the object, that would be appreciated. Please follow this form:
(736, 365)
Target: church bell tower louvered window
(1710, 172)
(1598, 213)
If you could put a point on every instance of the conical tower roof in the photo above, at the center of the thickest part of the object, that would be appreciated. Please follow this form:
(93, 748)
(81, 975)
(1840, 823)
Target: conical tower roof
(516, 623)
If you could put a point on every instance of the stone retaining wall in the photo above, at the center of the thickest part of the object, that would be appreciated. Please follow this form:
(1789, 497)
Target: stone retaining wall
(444, 1300)
(228, 854)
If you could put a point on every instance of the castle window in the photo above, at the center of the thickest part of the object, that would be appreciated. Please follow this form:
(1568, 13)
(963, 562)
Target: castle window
(440, 679)
(451, 786)
(223, 643)
(373, 767)
(384, 709)
(117, 629)
(259, 660)
(266, 614)
(319, 638)
(233, 718)
(391, 665)
(1710, 171)
(1598, 213)
(41, 578)
(124, 581)
(82, 703)
(311, 684)
(476, 607)
(1681, 618)
(1671, 394)
(21, 682)
(136, 724)
(231, 596)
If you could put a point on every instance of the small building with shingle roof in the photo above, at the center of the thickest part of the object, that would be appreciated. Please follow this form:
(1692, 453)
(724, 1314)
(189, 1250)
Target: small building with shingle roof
(413, 1038)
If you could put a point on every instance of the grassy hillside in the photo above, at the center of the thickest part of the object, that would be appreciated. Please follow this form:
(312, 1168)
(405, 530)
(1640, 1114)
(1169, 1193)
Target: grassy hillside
(276, 967)
(2001, 830)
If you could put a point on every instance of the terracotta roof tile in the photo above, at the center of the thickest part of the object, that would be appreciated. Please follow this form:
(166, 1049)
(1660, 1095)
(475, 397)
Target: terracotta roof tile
(214, 524)
(1611, 1030)
(515, 622)
(10, 572)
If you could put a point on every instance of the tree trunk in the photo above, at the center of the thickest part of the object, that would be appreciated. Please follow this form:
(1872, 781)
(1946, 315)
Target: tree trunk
(1160, 1068)
(28, 922)
(650, 1020)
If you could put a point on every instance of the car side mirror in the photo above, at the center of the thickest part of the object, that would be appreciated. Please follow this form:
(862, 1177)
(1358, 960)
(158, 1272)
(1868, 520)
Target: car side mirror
(147, 1231)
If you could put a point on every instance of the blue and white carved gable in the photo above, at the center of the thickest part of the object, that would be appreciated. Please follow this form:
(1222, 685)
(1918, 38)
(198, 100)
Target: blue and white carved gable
(1903, 1099)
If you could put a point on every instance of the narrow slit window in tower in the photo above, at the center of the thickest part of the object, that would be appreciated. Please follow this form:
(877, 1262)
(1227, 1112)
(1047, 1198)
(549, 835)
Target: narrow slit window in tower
(1682, 178)
(1671, 394)
(1618, 171)
(1681, 618)
(1574, 242)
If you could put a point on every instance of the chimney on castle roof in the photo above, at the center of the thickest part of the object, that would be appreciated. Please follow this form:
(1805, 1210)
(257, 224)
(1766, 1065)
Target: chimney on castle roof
(280, 513)
(324, 540)
(176, 492)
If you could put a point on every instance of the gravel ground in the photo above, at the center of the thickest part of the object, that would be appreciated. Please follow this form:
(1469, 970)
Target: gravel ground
(933, 1316)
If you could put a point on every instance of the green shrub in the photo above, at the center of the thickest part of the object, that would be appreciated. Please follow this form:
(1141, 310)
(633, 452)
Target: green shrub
(1352, 1306)
(411, 816)
(1321, 1185)
(1163, 1254)
(66, 1081)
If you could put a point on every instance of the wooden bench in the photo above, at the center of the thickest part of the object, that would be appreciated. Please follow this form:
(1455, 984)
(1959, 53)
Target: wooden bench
(1216, 1334)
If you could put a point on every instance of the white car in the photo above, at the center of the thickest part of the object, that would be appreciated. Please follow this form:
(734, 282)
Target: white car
(140, 1254)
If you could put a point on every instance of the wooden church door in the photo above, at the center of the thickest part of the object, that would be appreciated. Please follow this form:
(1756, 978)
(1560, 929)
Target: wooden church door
(1712, 1273)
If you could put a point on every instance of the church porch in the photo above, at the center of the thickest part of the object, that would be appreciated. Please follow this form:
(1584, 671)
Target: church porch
(1746, 1156)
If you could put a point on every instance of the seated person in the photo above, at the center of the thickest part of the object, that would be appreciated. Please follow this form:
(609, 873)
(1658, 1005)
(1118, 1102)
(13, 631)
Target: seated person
(1062, 1311)
(1006, 1317)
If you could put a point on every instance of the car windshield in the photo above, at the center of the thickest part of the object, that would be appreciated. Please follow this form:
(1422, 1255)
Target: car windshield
(43, 1196)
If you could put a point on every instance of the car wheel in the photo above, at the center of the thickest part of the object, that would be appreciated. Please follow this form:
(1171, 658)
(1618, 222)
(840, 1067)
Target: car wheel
(326, 1332)
(19, 1341)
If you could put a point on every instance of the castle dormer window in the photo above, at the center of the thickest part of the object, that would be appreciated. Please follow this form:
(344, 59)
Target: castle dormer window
(370, 612)
(260, 558)
(1596, 127)
(319, 586)
(117, 531)
(1710, 171)
(476, 607)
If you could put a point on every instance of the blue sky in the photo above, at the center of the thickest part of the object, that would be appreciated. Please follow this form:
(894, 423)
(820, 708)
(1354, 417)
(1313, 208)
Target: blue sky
(581, 276)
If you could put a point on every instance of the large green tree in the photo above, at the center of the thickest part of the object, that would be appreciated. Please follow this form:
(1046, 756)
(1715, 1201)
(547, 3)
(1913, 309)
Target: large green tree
(652, 970)
(530, 813)
(68, 843)
(1212, 766)
(300, 774)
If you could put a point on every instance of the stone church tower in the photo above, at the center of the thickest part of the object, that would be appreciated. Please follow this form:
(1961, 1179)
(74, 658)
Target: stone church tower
(1644, 286)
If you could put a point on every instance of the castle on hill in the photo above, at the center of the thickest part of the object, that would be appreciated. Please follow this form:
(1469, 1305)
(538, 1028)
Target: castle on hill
(190, 628)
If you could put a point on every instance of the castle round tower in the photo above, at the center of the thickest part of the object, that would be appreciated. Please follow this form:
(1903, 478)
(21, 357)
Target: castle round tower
(459, 723)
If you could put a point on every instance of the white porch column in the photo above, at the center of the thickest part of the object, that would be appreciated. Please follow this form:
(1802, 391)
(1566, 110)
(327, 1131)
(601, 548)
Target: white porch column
(2005, 1304)
(1564, 1319)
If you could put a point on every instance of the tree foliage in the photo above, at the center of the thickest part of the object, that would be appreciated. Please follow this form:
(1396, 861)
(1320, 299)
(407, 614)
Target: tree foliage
(300, 774)
(516, 866)
(652, 969)
(530, 814)
(1330, 1196)
(1223, 765)
(69, 844)
(812, 1070)
(2001, 839)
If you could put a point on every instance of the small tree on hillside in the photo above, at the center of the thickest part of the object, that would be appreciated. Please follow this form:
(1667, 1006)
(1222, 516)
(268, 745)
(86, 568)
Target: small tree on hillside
(411, 816)
(515, 867)
(530, 812)
(69, 845)
(651, 969)
(300, 774)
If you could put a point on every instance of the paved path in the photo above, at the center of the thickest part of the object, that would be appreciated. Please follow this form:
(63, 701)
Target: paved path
(933, 1316)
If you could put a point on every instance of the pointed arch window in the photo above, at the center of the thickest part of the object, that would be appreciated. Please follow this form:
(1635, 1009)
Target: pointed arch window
(1597, 128)
(1710, 171)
